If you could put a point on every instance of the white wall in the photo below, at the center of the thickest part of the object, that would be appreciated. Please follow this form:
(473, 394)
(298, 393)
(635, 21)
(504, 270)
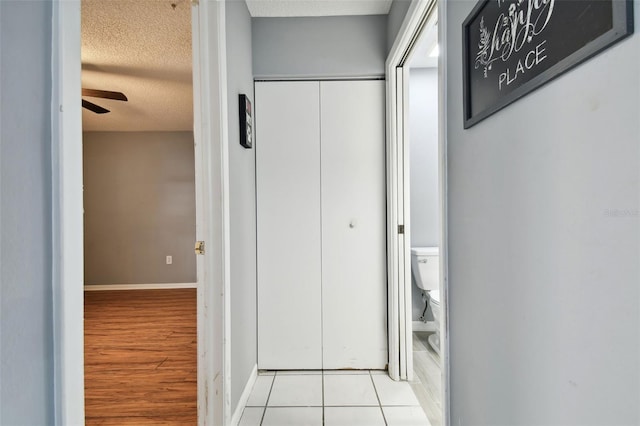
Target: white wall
(243, 203)
(330, 46)
(396, 15)
(423, 149)
(423, 152)
(26, 344)
(544, 246)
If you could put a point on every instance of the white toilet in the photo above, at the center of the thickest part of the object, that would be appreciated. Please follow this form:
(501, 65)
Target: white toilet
(425, 265)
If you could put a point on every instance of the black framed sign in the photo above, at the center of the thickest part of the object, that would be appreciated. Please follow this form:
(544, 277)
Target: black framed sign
(511, 47)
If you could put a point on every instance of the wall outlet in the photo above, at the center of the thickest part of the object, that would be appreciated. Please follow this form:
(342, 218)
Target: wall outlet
(169, 260)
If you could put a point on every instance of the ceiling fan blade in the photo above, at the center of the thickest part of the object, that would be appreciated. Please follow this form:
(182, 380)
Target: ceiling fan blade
(106, 94)
(93, 107)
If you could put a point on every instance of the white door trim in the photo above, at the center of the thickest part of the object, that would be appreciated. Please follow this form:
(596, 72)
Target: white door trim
(210, 112)
(212, 160)
(397, 244)
(67, 238)
(400, 340)
(443, 196)
(406, 328)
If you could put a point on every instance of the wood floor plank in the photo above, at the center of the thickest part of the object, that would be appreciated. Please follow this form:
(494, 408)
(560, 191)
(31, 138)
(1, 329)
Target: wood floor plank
(141, 357)
(427, 384)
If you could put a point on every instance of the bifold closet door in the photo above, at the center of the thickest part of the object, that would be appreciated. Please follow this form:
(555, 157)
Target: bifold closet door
(289, 245)
(354, 290)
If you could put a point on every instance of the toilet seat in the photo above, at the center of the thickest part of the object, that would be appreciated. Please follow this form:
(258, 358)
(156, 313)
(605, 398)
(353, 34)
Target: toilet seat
(425, 251)
(434, 297)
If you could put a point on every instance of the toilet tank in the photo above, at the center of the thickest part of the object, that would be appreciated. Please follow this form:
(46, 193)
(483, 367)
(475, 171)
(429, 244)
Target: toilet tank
(425, 266)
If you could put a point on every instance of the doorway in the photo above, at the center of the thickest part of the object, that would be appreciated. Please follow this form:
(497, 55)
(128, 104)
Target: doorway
(423, 219)
(421, 136)
(210, 177)
(139, 212)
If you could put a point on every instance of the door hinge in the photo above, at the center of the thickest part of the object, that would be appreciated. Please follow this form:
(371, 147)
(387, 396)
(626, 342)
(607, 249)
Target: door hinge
(400, 229)
(199, 247)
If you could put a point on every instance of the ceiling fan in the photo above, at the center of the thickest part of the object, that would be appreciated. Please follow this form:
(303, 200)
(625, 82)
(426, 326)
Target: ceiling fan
(105, 94)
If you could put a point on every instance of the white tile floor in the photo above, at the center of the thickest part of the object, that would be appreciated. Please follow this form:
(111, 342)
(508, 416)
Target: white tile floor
(331, 398)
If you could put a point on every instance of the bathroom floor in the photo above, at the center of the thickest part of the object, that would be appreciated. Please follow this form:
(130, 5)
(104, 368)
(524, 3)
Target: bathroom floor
(427, 377)
(330, 398)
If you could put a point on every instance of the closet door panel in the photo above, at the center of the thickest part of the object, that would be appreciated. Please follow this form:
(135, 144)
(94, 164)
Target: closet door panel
(288, 213)
(353, 225)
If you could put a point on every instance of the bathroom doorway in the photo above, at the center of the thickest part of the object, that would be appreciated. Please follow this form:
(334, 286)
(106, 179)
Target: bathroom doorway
(418, 177)
(421, 136)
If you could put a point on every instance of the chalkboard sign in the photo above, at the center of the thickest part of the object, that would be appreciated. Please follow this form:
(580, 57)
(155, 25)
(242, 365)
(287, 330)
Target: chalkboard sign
(512, 47)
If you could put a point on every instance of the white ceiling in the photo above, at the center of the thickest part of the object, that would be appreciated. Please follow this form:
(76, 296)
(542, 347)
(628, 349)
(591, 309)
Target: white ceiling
(143, 49)
(288, 8)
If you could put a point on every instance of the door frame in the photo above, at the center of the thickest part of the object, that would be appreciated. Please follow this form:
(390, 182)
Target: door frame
(419, 17)
(212, 203)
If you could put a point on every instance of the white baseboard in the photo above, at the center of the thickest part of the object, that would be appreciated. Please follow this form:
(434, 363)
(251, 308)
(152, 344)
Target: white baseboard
(237, 414)
(424, 326)
(159, 286)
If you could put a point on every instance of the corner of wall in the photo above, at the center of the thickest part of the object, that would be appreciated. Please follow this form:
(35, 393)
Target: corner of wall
(397, 13)
(242, 208)
(244, 397)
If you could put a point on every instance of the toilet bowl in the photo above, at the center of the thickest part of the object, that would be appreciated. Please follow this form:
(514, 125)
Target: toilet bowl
(434, 303)
(425, 267)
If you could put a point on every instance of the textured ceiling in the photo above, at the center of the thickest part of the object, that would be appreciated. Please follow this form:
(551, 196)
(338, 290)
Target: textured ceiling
(272, 8)
(143, 49)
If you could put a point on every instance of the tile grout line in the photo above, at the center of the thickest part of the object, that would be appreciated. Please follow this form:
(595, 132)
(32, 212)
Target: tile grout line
(298, 406)
(378, 398)
(321, 244)
(266, 403)
(323, 397)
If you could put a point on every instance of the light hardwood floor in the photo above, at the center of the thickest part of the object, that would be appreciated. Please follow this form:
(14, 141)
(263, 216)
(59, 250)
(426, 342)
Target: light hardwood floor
(427, 381)
(140, 357)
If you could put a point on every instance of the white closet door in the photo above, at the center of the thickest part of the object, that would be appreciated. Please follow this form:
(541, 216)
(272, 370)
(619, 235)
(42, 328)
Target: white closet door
(353, 225)
(288, 203)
